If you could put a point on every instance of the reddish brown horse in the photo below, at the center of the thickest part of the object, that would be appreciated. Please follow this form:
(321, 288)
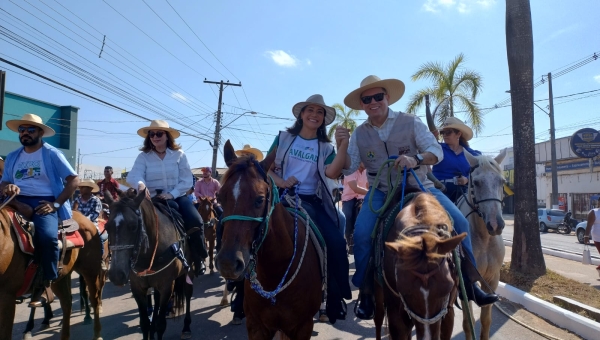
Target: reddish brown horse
(420, 283)
(13, 262)
(209, 218)
(258, 238)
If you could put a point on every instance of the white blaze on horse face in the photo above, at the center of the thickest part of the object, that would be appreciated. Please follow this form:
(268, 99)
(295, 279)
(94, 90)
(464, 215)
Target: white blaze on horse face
(118, 219)
(236, 190)
(426, 327)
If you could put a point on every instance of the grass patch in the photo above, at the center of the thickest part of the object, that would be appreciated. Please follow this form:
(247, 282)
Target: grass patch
(549, 285)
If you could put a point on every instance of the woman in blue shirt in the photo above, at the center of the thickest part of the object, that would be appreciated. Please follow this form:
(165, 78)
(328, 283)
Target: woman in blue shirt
(454, 169)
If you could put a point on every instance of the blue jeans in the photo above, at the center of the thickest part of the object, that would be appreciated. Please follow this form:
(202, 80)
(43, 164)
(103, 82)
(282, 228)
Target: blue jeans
(342, 220)
(365, 222)
(45, 238)
(192, 219)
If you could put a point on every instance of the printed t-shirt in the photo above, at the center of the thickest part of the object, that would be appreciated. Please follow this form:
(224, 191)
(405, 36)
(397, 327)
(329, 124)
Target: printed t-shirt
(30, 175)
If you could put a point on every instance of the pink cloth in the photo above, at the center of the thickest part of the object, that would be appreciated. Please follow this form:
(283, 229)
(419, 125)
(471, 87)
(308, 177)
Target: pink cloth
(207, 189)
(361, 181)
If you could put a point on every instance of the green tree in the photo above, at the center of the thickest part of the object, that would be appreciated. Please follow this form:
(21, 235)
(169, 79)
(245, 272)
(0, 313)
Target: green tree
(453, 87)
(343, 117)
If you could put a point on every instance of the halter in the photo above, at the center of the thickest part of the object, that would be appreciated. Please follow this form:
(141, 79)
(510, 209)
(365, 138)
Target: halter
(472, 200)
(141, 240)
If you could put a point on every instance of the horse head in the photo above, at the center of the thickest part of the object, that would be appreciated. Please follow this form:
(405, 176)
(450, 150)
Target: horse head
(205, 209)
(124, 227)
(245, 194)
(486, 190)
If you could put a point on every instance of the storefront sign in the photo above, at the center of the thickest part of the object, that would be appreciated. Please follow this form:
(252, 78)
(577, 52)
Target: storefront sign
(585, 143)
(572, 166)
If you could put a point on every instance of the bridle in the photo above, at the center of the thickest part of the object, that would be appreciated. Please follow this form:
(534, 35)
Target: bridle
(472, 201)
(141, 240)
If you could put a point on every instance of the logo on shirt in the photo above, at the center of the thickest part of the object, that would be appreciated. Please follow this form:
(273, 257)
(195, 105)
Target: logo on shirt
(370, 154)
(309, 149)
(304, 155)
(403, 150)
(28, 170)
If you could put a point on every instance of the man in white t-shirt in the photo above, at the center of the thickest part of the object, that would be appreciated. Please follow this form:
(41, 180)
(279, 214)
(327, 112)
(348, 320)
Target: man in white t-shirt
(36, 173)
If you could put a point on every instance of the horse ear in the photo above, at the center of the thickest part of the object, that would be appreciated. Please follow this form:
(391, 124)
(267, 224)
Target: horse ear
(229, 153)
(140, 198)
(108, 197)
(446, 246)
(470, 158)
(267, 162)
(501, 156)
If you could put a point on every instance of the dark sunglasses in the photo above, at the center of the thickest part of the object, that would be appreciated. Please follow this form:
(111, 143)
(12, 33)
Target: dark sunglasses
(447, 132)
(367, 99)
(30, 130)
(158, 134)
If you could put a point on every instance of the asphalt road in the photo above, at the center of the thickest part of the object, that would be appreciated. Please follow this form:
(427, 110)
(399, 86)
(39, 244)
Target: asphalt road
(211, 322)
(551, 239)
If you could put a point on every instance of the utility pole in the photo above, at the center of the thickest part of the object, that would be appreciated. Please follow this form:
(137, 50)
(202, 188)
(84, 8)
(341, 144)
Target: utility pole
(217, 140)
(78, 160)
(554, 195)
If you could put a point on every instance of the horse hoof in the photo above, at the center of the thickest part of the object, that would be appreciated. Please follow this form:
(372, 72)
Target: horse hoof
(99, 338)
(224, 303)
(44, 326)
(323, 318)
(186, 335)
(27, 336)
(212, 271)
(236, 321)
(87, 320)
(99, 310)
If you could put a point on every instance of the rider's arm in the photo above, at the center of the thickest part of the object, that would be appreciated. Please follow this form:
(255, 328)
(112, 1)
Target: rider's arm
(185, 179)
(428, 146)
(334, 169)
(70, 187)
(352, 157)
(359, 190)
(591, 219)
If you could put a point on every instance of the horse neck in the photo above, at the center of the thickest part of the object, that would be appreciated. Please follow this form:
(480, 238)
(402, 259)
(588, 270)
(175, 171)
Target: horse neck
(477, 228)
(167, 235)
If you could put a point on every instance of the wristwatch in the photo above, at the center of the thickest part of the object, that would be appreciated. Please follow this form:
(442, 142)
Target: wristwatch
(419, 159)
(56, 205)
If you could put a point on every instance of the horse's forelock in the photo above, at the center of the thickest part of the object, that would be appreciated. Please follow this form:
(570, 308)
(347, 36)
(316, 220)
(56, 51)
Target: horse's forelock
(487, 163)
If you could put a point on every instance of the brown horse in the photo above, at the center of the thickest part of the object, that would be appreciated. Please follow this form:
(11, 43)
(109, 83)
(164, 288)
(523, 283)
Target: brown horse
(209, 218)
(420, 284)
(13, 263)
(258, 239)
(141, 239)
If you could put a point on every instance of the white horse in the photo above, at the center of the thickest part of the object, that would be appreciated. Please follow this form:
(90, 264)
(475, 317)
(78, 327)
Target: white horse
(482, 206)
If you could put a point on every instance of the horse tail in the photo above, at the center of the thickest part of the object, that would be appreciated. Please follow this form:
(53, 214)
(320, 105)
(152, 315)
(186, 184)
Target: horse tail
(179, 291)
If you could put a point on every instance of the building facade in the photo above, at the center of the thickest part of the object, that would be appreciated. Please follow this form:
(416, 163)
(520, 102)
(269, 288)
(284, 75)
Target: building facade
(63, 119)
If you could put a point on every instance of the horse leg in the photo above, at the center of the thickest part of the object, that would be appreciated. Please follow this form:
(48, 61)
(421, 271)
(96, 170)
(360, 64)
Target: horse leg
(447, 325)
(29, 326)
(303, 332)
(379, 311)
(258, 332)
(486, 322)
(62, 289)
(225, 299)
(139, 294)
(84, 299)
(7, 316)
(466, 325)
(189, 291)
(399, 323)
(160, 321)
(47, 316)
(94, 289)
(211, 249)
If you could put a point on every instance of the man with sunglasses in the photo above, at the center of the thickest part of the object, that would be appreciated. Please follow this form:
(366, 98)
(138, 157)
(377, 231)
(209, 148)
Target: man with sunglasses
(36, 173)
(389, 134)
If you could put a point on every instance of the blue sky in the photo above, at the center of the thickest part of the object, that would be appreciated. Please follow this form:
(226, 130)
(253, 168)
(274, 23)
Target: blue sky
(283, 52)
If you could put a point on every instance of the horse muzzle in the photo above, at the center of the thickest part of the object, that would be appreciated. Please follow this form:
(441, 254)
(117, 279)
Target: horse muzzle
(118, 277)
(497, 229)
(230, 265)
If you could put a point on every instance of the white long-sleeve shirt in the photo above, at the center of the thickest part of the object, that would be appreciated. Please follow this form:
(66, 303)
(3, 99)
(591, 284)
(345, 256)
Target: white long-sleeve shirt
(171, 174)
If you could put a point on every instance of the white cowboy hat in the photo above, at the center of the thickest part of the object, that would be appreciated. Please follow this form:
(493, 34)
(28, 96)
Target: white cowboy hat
(393, 87)
(249, 149)
(316, 99)
(457, 124)
(89, 183)
(158, 124)
(30, 119)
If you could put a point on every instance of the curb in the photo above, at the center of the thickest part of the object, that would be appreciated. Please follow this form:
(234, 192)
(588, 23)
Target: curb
(561, 253)
(575, 323)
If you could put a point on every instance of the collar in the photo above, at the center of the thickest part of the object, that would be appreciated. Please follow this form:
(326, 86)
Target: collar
(392, 115)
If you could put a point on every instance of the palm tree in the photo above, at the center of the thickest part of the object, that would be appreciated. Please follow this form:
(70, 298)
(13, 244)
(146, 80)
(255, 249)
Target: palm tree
(452, 87)
(343, 117)
(526, 257)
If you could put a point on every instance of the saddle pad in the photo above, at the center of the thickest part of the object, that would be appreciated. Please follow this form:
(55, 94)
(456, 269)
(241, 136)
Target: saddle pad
(74, 240)
(101, 225)
(24, 238)
(69, 225)
(30, 272)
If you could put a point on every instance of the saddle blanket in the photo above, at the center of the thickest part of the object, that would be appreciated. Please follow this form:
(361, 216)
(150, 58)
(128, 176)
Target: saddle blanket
(73, 239)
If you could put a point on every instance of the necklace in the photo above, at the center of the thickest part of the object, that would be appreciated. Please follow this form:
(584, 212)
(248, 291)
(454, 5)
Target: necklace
(160, 152)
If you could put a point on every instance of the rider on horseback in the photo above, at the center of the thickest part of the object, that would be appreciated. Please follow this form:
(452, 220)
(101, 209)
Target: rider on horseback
(373, 143)
(208, 187)
(36, 173)
(91, 207)
(164, 170)
(109, 184)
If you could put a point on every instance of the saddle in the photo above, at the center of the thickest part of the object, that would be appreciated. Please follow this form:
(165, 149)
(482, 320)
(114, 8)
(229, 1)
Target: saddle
(170, 209)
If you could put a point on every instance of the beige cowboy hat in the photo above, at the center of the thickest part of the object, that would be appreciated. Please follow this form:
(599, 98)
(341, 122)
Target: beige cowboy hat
(457, 124)
(316, 99)
(89, 183)
(158, 124)
(30, 119)
(393, 87)
(249, 149)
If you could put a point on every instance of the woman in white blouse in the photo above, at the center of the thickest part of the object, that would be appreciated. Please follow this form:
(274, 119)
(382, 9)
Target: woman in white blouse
(164, 169)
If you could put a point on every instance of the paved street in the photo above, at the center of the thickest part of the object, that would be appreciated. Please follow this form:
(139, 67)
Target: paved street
(211, 322)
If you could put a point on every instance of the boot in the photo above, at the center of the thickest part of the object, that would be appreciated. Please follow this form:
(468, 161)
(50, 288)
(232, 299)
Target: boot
(365, 306)
(42, 295)
(474, 292)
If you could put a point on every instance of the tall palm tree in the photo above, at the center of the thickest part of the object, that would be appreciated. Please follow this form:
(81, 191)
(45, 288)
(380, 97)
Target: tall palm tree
(343, 117)
(453, 87)
(526, 257)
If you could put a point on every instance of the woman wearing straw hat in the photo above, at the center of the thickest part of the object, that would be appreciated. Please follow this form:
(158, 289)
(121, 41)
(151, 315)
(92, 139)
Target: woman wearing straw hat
(454, 169)
(164, 169)
(91, 207)
(304, 159)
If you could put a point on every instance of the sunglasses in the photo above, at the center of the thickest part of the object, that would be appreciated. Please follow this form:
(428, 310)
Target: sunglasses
(447, 132)
(367, 99)
(158, 134)
(30, 130)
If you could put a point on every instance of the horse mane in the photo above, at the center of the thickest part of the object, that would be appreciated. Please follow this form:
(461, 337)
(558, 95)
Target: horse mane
(241, 164)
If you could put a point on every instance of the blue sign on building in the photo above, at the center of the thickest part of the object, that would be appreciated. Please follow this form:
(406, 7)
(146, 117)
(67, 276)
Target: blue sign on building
(572, 166)
(585, 143)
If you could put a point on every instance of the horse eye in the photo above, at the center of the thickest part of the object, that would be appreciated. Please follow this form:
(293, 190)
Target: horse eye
(477, 182)
(258, 202)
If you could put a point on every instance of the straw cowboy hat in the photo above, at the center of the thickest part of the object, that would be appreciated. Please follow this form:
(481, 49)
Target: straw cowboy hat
(158, 124)
(316, 99)
(30, 119)
(393, 87)
(249, 149)
(457, 124)
(89, 183)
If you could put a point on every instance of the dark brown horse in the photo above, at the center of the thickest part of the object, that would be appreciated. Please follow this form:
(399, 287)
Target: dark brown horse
(140, 239)
(258, 237)
(209, 219)
(13, 262)
(420, 283)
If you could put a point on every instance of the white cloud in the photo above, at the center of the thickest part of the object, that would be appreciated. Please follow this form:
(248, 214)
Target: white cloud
(281, 58)
(179, 96)
(308, 62)
(461, 6)
(597, 78)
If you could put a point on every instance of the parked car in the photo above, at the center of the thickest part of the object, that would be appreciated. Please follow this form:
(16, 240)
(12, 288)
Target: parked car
(580, 232)
(550, 219)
